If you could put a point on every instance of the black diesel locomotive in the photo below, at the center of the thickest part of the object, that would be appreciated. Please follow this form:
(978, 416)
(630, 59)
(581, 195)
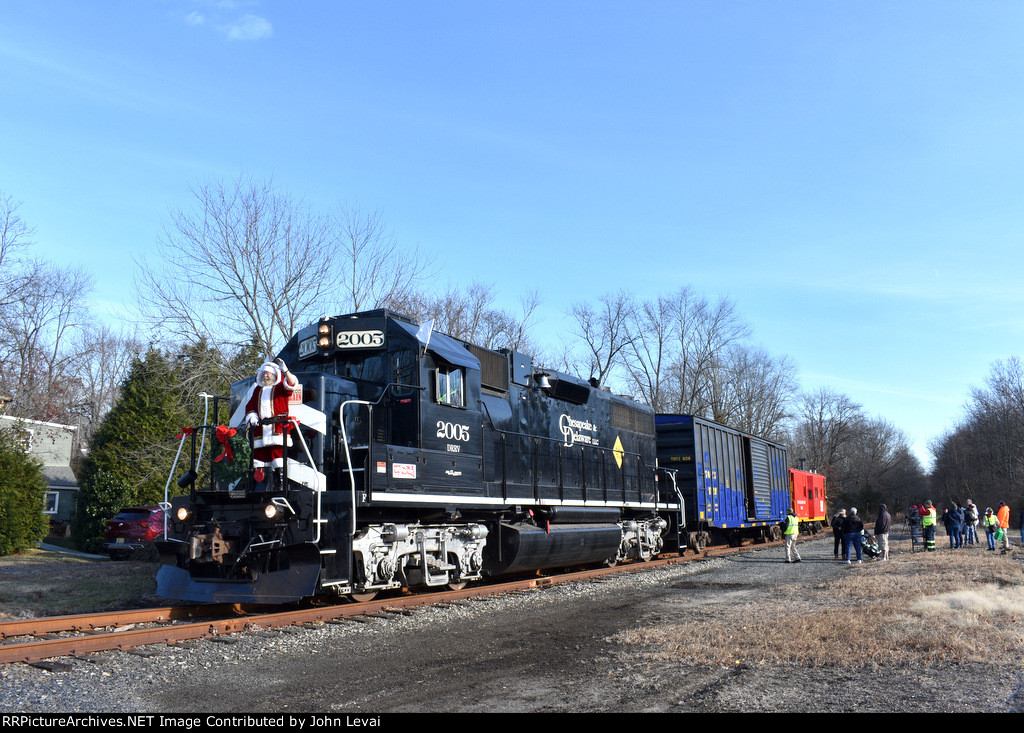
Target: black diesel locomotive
(416, 460)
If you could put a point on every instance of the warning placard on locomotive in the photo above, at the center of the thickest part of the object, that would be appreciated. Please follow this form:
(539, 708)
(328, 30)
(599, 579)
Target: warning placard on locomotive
(403, 470)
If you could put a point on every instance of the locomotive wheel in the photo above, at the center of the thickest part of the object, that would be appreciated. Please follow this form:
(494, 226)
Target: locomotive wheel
(363, 597)
(776, 533)
(457, 586)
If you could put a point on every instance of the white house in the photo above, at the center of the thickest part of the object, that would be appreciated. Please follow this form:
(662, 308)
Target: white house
(51, 444)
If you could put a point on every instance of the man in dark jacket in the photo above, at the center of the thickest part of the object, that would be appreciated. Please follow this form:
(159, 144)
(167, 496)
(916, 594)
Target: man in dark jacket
(953, 519)
(971, 518)
(853, 531)
(837, 529)
(882, 526)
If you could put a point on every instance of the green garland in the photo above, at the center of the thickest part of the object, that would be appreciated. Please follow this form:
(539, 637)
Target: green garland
(228, 471)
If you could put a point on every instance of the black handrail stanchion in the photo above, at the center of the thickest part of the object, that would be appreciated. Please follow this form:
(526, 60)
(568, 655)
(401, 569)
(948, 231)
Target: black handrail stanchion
(250, 434)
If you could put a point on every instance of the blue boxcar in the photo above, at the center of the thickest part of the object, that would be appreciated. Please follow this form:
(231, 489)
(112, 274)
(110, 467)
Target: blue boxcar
(734, 484)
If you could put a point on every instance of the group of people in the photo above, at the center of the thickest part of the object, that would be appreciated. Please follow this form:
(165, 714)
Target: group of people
(962, 524)
(848, 532)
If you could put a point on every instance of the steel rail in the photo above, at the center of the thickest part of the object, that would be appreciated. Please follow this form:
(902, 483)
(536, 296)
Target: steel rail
(91, 621)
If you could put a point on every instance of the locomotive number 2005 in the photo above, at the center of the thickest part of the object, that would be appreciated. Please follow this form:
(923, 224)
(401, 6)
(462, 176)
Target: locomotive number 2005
(452, 431)
(359, 339)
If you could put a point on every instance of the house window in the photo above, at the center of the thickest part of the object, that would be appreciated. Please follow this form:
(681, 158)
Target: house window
(50, 502)
(450, 387)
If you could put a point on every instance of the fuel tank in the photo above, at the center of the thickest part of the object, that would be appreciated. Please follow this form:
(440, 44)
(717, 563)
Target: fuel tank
(522, 547)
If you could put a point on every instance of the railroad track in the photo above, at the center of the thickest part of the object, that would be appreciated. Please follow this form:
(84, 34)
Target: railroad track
(35, 640)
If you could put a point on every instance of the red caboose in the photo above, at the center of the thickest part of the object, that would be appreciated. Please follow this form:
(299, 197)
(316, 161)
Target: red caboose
(808, 491)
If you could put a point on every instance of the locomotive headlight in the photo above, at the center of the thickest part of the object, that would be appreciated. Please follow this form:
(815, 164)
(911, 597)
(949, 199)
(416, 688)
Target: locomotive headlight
(324, 336)
(183, 514)
(271, 511)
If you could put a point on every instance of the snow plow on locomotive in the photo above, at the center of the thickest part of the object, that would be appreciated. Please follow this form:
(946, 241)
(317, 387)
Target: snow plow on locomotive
(396, 457)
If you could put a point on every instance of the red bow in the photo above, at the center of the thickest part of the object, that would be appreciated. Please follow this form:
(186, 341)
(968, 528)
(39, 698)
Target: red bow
(185, 432)
(224, 433)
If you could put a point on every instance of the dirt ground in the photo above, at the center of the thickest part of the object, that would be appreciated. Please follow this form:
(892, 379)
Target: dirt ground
(570, 650)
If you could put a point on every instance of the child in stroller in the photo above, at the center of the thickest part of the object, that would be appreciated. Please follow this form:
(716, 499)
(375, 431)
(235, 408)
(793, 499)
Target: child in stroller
(869, 546)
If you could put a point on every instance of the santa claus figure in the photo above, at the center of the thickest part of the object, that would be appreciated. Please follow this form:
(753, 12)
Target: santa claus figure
(269, 398)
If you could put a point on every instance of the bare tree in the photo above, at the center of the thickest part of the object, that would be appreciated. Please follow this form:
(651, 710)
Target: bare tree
(108, 357)
(649, 353)
(678, 358)
(984, 456)
(471, 315)
(249, 264)
(39, 359)
(376, 271)
(828, 424)
(758, 391)
(15, 236)
(702, 331)
(517, 329)
(246, 262)
(603, 329)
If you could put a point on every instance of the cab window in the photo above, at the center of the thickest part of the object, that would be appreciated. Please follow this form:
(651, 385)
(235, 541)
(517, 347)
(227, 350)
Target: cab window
(450, 384)
(403, 372)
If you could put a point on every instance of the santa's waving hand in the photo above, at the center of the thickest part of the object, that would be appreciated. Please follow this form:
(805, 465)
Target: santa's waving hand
(269, 398)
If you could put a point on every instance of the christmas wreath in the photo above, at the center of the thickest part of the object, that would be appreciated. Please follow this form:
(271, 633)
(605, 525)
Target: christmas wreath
(235, 456)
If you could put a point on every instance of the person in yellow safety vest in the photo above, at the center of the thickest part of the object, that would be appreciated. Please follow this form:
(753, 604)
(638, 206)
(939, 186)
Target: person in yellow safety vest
(928, 521)
(991, 524)
(790, 534)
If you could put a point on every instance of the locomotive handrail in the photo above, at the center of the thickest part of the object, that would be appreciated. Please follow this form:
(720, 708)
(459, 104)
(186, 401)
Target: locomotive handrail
(344, 435)
(166, 502)
(546, 437)
(679, 495)
(348, 455)
(167, 486)
(317, 489)
(603, 451)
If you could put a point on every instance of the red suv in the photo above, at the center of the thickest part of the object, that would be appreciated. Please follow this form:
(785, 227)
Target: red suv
(132, 530)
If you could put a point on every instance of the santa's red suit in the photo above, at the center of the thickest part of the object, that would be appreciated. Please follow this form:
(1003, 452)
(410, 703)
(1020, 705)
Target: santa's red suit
(269, 398)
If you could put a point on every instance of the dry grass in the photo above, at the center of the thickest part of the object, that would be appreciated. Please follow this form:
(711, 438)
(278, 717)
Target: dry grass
(941, 607)
(42, 583)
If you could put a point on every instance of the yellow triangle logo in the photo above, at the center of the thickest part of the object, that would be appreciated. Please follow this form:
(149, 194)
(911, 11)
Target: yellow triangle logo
(618, 452)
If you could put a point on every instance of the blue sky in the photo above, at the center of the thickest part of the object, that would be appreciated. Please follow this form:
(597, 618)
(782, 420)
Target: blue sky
(849, 172)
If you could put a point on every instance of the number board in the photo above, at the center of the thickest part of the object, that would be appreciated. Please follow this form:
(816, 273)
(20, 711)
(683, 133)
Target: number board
(359, 339)
(307, 348)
